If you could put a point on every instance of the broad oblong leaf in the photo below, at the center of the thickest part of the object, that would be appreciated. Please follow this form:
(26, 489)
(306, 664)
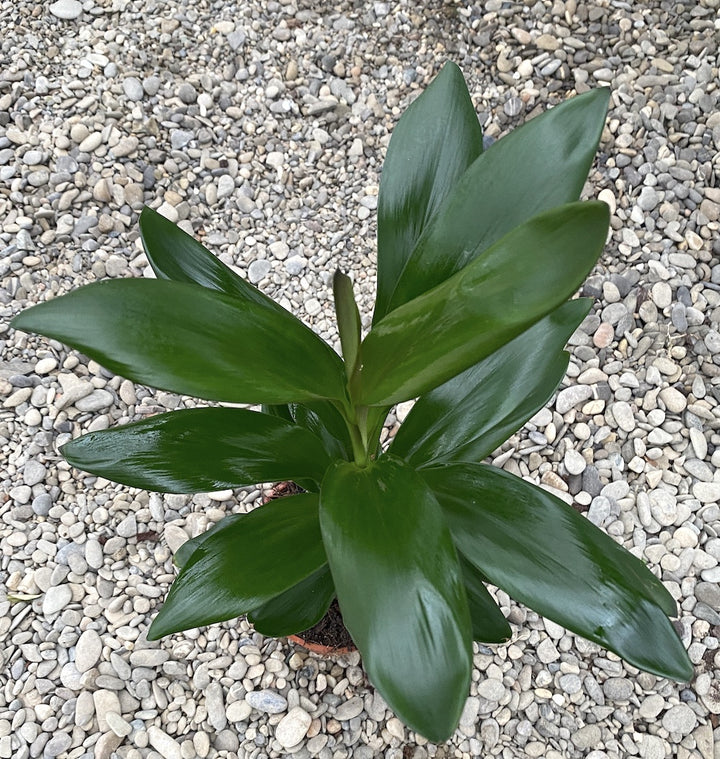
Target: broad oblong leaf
(183, 554)
(472, 414)
(173, 254)
(520, 279)
(534, 168)
(400, 589)
(190, 340)
(434, 142)
(200, 451)
(298, 608)
(488, 623)
(251, 560)
(545, 555)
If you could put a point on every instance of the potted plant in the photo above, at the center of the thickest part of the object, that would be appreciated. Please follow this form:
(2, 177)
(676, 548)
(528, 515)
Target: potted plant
(479, 255)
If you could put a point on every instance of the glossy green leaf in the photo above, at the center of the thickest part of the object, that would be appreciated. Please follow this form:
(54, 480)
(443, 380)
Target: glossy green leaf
(181, 556)
(200, 450)
(348, 319)
(436, 139)
(324, 420)
(237, 568)
(472, 414)
(173, 254)
(191, 340)
(297, 609)
(400, 589)
(488, 623)
(545, 555)
(520, 279)
(281, 410)
(532, 169)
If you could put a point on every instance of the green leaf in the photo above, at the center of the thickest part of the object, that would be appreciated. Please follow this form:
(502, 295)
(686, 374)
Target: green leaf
(472, 414)
(400, 590)
(324, 420)
(545, 555)
(520, 279)
(176, 255)
(253, 559)
(200, 450)
(281, 410)
(190, 340)
(186, 550)
(297, 609)
(436, 139)
(532, 169)
(488, 623)
(348, 318)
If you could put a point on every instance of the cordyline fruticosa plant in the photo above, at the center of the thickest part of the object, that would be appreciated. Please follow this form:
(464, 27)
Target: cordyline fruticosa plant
(478, 256)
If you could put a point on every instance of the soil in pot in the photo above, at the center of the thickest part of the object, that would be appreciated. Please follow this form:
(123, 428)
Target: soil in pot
(328, 636)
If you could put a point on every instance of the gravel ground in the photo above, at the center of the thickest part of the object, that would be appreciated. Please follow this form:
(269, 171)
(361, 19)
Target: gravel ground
(261, 126)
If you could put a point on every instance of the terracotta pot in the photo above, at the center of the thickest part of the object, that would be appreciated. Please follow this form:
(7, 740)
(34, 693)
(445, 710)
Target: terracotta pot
(318, 648)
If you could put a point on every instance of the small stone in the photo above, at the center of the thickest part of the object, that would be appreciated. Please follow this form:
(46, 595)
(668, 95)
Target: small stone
(187, 93)
(56, 599)
(648, 198)
(148, 657)
(215, 703)
(673, 399)
(97, 400)
(547, 42)
(126, 146)
(604, 335)
(118, 725)
(56, 745)
(586, 737)
(106, 745)
(225, 187)
(651, 707)
(618, 688)
(279, 249)
(67, 10)
(574, 462)
(179, 138)
(349, 709)
(295, 264)
(267, 701)
(90, 143)
(652, 747)
(707, 492)
(133, 89)
(34, 473)
(45, 366)
(258, 270)
(236, 39)
(547, 651)
(105, 701)
(87, 650)
(491, 689)
(623, 416)
(679, 719)
(166, 746)
(293, 727)
(238, 711)
(571, 397)
(128, 527)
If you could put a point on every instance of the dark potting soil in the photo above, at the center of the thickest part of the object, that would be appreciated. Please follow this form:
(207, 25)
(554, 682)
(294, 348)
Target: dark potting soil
(330, 630)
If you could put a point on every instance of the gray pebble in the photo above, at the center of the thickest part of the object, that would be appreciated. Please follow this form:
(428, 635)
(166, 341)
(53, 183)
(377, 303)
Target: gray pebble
(187, 93)
(67, 10)
(258, 270)
(267, 701)
(34, 472)
(133, 89)
(56, 599)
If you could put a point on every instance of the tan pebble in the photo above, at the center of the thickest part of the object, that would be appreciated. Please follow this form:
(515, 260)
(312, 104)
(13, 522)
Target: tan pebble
(603, 335)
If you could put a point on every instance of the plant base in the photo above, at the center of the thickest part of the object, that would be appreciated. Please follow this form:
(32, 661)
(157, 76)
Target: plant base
(329, 637)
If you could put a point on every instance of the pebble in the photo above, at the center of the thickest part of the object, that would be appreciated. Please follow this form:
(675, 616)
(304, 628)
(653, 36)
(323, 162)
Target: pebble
(679, 719)
(67, 10)
(293, 727)
(165, 745)
(56, 599)
(133, 88)
(267, 701)
(349, 709)
(87, 650)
